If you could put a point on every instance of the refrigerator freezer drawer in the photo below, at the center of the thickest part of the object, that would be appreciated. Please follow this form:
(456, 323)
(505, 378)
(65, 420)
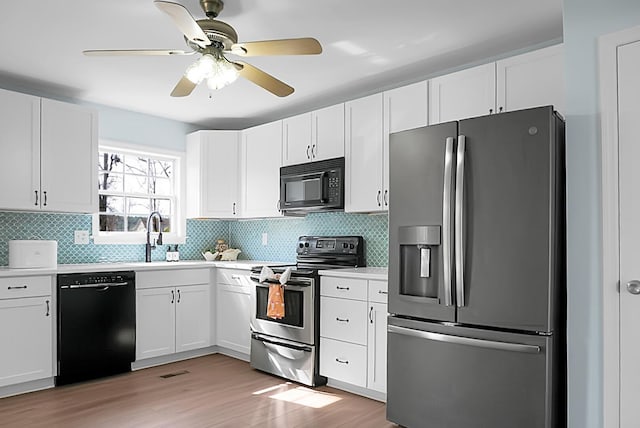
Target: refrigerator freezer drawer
(461, 377)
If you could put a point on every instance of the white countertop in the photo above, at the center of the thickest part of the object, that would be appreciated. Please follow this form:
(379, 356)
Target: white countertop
(379, 273)
(136, 266)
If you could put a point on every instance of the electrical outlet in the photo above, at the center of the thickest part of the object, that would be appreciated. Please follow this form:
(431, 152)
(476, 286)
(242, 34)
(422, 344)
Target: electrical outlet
(265, 239)
(81, 237)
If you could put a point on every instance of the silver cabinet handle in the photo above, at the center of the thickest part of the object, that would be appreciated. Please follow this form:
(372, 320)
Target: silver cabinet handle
(633, 286)
(313, 151)
(178, 295)
(173, 296)
(342, 288)
(342, 361)
(45, 198)
(47, 314)
(490, 111)
(36, 204)
(234, 208)
(469, 341)
(371, 314)
(238, 277)
(447, 253)
(459, 217)
(378, 198)
(500, 110)
(382, 292)
(342, 319)
(308, 155)
(16, 287)
(385, 198)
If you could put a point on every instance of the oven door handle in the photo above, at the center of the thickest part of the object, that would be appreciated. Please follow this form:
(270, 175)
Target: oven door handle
(292, 284)
(265, 340)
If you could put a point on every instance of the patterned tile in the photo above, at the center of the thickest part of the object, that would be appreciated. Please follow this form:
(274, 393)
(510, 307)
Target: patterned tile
(201, 234)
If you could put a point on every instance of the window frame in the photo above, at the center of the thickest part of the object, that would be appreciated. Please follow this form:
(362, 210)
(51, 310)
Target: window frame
(178, 220)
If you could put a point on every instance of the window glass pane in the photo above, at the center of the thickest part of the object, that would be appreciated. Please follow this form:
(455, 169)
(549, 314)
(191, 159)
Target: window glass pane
(111, 223)
(111, 204)
(136, 165)
(138, 206)
(136, 184)
(160, 168)
(166, 224)
(110, 162)
(110, 182)
(136, 223)
(160, 186)
(163, 206)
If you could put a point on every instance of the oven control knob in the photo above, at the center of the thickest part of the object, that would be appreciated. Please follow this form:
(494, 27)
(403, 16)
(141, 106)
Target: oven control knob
(351, 246)
(306, 244)
(345, 245)
(300, 245)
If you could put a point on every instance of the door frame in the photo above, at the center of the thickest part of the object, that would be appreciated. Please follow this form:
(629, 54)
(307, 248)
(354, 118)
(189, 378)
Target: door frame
(608, 81)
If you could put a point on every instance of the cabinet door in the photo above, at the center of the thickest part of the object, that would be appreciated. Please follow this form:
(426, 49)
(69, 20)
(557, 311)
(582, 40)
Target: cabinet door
(377, 347)
(233, 318)
(464, 94)
(20, 151)
(532, 79)
(296, 139)
(262, 154)
(155, 322)
(26, 334)
(69, 152)
(219, 173)
(192, 317)
(328, 133)
(364, 154)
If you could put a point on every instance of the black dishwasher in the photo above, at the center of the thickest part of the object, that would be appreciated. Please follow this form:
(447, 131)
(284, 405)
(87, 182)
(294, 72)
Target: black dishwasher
(96, 325)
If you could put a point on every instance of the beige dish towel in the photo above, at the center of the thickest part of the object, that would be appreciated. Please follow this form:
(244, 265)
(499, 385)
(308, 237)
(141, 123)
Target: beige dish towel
(275, 300)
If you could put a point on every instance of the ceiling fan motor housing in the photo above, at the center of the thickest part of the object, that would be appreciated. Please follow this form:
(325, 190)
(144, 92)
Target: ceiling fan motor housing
(212, 8)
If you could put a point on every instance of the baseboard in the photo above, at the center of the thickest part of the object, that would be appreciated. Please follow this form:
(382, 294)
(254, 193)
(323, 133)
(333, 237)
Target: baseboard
(358, 390)
(23, 388)
(232, 353)
(172, 358)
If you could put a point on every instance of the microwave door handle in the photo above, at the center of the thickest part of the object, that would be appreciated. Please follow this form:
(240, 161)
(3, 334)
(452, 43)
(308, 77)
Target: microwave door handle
(325, 188)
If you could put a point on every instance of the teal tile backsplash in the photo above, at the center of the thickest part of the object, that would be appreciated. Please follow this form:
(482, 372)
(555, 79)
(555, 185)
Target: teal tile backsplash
(282, 235)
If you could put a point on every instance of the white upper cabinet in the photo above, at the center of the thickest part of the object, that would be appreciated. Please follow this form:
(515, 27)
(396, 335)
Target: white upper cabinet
(213, 174)
(406, 107)
(261, 160)
(296, 139)
(531, 79)
(50, 150)
(20, 150)
(327, 133)
(463, 94)
(364, 154)
(313, 136)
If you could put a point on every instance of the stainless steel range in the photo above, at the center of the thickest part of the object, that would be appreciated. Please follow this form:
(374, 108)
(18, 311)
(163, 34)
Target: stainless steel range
(288, 347)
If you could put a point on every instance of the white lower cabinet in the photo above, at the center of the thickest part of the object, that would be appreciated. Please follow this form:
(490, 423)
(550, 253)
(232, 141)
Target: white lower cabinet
(26, 329)
(233, 310)
(353, 331)
(173, 312)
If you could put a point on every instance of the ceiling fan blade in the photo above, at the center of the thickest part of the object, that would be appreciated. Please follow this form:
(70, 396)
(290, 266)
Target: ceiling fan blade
(183, 88)
(263, 79)
(132, 52)
(184, 21)
(304, 46)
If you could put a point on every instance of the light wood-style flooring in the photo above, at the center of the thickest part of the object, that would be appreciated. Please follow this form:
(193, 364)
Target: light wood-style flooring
(217, 391)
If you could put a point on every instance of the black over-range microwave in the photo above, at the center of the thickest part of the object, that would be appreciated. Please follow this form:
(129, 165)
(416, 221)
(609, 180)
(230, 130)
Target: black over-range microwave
(313, 186)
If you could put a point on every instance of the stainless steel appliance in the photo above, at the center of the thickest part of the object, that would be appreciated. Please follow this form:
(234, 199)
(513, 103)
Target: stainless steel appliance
(288, 347)
(313, 186)
(476, 335)
(96, 325)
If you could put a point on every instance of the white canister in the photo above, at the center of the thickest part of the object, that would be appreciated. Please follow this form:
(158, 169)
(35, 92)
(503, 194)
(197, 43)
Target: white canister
(24, 254)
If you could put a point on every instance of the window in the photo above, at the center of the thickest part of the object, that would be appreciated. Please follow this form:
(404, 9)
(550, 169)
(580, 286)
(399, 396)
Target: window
(132, 184)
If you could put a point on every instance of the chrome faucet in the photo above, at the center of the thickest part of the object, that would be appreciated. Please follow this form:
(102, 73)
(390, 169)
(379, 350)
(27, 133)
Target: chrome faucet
(149, 246)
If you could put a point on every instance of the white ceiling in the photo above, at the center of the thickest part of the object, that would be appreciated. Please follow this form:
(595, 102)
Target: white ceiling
(368, 45)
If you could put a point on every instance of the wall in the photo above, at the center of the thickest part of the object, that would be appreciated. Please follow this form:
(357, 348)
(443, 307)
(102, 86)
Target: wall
(584, 21)
(201, 234)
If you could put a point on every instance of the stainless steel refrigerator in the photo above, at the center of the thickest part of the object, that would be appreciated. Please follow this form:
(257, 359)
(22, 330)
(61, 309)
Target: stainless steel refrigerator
(476, 332)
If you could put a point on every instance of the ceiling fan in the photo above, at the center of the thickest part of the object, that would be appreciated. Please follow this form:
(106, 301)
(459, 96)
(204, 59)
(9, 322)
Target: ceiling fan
(214, 39)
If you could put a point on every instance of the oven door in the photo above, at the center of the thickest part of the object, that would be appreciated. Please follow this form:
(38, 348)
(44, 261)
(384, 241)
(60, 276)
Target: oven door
(299, 303)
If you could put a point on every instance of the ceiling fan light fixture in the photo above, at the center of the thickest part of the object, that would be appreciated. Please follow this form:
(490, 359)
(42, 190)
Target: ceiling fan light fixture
(225, 73)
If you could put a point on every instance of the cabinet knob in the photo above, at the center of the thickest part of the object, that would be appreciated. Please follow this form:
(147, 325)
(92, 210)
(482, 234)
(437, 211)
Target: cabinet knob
(633, 286)
(490, 111)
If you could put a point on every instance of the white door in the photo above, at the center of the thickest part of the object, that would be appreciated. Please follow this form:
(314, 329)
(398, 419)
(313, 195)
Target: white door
(232, 321)
(629, 187)
(222, 151)
(155, 322)
(296, 139)
(377, 347)
(192, 317)
(327, 139)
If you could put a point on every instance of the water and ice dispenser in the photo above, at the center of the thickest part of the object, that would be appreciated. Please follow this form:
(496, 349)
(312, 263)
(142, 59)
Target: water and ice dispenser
(420, 254)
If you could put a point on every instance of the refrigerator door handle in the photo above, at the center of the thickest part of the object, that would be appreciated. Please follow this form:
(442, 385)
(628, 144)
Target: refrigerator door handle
(458, 221)
(446, 222)
(469, 341)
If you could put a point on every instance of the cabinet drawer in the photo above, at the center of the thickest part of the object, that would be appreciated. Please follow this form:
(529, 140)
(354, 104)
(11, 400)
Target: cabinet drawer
(343, 319)
(378, 291)
(348, 288)
(342, 361)
(171, 277)
(25, 286)
(234, 277)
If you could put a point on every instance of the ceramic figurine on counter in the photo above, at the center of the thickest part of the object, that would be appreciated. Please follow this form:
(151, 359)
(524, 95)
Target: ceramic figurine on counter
(222, 252)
